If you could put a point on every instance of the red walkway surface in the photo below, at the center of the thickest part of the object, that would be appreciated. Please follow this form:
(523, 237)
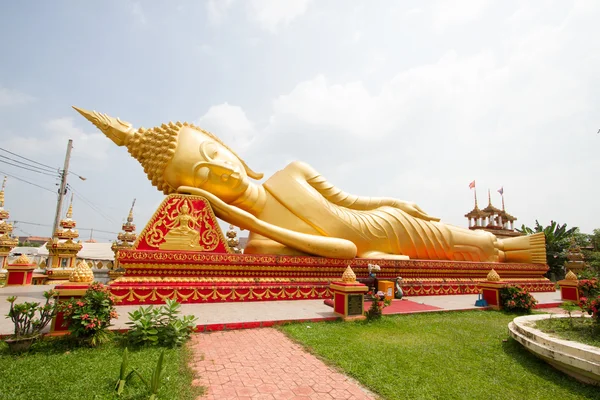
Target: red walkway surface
(264, 364)
(404, 307)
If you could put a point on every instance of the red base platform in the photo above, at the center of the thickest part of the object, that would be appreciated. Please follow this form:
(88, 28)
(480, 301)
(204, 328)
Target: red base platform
(170, 259)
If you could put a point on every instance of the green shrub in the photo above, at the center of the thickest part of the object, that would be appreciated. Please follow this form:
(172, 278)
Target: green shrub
(161, 325)
(23, 315)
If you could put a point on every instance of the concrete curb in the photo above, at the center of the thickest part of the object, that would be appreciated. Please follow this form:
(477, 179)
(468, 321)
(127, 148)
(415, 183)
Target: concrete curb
(578, 360)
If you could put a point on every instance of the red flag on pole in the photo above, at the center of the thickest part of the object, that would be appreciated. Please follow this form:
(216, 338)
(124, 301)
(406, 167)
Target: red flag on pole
(472, 185)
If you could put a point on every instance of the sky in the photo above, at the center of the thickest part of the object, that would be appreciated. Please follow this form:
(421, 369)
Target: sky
(412, 99)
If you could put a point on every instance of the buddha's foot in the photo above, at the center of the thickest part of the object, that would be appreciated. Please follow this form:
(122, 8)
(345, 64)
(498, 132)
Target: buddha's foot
(525, 249)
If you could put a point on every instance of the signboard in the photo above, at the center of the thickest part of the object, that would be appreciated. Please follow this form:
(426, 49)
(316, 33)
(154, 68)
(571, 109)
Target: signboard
(355, 304)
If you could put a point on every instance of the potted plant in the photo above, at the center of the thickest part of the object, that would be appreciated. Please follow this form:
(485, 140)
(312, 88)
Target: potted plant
(27, 327)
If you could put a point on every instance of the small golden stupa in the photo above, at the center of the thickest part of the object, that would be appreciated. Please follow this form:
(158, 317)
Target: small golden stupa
(125, 240)
(82, 273)
(232, 241)
(493, 276)
(62, 249)
(348, 276)
(22, 260)
(570, 276)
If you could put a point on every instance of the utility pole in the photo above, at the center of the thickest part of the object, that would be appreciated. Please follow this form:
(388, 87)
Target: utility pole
(63, 187)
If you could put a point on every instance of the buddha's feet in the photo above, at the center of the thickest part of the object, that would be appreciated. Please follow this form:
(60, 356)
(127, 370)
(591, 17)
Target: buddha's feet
(525, 249)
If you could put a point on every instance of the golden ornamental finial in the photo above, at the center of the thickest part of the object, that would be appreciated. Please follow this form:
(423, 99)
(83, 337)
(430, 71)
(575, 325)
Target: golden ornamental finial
(130, 216)
(348, 275)
(570, 276)
(22, 260)
(493, 276)
(70, 209)
(2, 192)
(489, 197)
(82, 273)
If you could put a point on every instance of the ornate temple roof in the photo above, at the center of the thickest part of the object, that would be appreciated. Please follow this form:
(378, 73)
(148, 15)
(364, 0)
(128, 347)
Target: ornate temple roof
(490, 209)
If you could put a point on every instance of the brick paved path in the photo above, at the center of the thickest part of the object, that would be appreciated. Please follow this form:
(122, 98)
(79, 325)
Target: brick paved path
(265, 364)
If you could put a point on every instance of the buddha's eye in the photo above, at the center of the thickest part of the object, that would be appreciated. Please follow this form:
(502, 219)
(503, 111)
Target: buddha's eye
(209, 150)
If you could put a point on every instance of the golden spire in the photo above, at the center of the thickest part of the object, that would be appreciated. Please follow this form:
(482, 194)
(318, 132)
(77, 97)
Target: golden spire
(70, 210)
(130, 216)
(489, 198)
(2, 192)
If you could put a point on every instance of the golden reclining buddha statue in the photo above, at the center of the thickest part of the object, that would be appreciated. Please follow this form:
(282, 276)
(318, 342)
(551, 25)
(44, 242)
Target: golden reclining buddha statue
(296, 211)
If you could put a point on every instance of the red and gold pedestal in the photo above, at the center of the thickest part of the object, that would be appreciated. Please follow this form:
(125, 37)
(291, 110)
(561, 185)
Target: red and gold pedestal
(569, 290)
(20, 273)
(490, 290)
(66, 291)
(182, 254)
(348, 297)
(79, 281)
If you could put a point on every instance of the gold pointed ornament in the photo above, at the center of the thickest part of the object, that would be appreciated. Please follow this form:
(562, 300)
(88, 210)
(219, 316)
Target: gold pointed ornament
(570, 276)
(348, 276)
(82, 273)
(493, 276)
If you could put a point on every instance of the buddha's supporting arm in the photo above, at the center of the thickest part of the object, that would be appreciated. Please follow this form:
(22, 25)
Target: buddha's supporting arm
(319, 245)
(343, 199)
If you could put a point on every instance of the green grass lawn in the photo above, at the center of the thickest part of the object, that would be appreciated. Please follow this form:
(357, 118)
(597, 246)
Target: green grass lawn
(55, 369)
(457, 355)
(582, 330)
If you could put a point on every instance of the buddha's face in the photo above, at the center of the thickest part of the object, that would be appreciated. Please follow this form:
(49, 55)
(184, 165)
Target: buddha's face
(201, 162)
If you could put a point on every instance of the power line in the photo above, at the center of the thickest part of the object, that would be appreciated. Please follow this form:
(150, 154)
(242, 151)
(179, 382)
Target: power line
(29, 169)
(28, 159)
(28, 165)
(92, 205)
(25, 181)
(81, 229)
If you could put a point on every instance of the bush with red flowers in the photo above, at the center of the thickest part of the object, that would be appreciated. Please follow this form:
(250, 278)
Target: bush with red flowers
(588, 288)
(89, 316)
(517, 299)
(591, 306)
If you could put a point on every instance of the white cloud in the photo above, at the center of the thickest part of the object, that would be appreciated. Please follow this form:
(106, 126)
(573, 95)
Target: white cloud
(271, 14)
(11, 97)
(448, 13)
(217, 10)
(137, 12)
(89, 146)
(230, 124)
(425, 133)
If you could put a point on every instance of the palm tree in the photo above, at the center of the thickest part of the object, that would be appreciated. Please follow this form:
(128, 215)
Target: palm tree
(558, 239)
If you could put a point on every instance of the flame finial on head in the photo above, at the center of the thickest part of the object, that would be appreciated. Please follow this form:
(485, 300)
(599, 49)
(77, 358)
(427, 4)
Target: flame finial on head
(118, 131)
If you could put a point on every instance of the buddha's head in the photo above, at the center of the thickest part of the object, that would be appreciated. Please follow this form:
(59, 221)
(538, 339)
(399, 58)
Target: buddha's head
(176, 155)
